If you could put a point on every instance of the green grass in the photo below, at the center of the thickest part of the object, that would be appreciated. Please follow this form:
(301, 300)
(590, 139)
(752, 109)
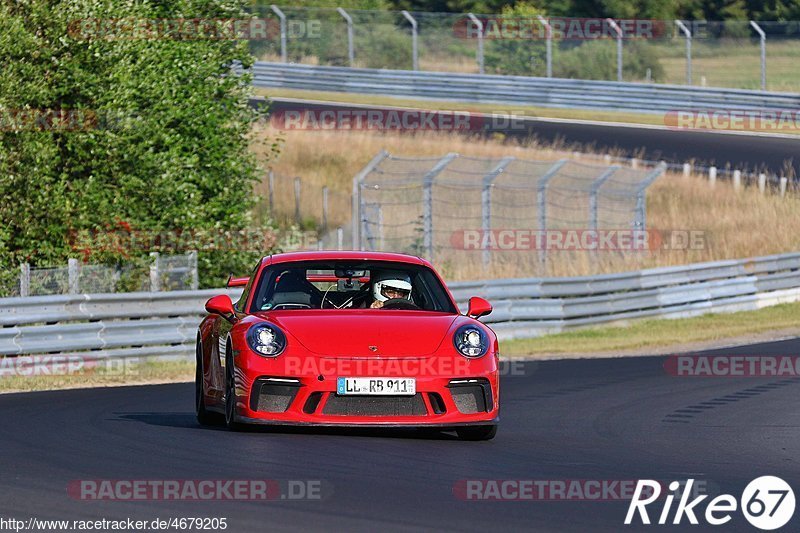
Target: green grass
(135, 373)
(734, 63)
(660, 333)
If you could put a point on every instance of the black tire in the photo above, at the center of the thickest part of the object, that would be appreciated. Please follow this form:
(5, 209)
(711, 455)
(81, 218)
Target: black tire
(477, 432)
(204, 416)
(230, 393)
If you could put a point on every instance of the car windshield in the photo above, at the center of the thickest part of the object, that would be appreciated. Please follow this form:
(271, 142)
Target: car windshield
(350, 285)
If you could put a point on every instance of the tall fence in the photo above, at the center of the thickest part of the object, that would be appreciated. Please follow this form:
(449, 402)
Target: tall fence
(159, 273)
(742, 54)
(440, 207)
(104, 326)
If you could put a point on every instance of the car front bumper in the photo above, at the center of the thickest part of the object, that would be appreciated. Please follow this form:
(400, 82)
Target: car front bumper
(267, 396)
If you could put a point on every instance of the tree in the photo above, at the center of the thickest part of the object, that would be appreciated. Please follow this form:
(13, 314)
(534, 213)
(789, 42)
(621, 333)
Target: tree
(149, 132)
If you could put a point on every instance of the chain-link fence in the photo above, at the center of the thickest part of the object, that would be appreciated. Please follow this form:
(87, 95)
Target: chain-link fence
(158, 273)
(720, 54)
(452, 207)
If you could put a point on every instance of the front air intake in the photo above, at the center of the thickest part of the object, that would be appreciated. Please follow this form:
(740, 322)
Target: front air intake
(471, 395)
(273, 395)
(375, 405)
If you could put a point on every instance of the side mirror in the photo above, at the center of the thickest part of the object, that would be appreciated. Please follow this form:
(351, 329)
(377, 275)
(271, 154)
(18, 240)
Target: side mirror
(221, 305)
(478, 307)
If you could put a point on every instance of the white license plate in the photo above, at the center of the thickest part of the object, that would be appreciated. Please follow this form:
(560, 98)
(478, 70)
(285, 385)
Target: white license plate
(376, 386)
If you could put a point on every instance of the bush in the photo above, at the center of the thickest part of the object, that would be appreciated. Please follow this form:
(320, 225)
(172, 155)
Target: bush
(519, 57)
(165, 147)
(597, 60)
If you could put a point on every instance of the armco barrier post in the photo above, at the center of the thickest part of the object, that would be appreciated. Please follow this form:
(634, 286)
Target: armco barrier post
(324, 208)
(282, 17)
(73, 276)
(355, 216)
(763, 39)
(24, 279)
(297, 216)
(594, 189)
(350, 47)
(618, 31)
(194, 277)
(479, 53)
(712, 176)
(155, 279)
(541, 201)
(783, 183)
(640, 216)
(414, 49)
(427, 203)
(548, 44)
(381, 240)
(486, 202)
(762, 183)
(357, 199)
(687, 170)
(688, 35)
(271, 189)
(737, 179)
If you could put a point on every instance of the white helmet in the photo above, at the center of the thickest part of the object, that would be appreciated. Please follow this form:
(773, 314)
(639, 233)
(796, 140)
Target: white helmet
(398, 281)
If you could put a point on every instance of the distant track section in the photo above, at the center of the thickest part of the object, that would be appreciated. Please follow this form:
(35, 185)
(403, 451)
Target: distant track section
(757, 152)
(519, 90)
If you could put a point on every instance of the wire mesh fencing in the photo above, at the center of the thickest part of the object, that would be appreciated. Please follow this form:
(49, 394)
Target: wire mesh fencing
(157, 273)
(503, 209)
(738, 54)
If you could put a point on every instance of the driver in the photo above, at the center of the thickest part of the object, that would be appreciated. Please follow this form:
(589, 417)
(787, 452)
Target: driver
(390, 286)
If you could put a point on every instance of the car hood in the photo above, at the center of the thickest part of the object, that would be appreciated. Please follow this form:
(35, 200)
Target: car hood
(365, 333)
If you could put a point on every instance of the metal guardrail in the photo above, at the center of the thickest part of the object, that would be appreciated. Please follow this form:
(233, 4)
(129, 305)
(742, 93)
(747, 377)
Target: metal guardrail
(98, 326)
(537, 306)
(518, 90)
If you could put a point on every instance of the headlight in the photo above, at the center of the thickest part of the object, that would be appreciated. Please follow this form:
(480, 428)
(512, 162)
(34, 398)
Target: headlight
(266, 339)
(471, 341)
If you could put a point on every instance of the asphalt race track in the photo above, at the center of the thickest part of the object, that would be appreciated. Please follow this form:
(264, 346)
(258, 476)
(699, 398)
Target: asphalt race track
(613, 419)
(769, 153)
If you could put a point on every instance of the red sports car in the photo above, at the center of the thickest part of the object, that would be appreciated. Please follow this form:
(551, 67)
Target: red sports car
(347, 339)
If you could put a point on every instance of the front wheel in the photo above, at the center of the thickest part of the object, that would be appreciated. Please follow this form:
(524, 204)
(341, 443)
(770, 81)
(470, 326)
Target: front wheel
(477, 432)
(230, 394)
(204, 416)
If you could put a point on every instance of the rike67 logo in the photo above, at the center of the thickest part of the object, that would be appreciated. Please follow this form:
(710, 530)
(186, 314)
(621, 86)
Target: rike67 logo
(767, 503)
